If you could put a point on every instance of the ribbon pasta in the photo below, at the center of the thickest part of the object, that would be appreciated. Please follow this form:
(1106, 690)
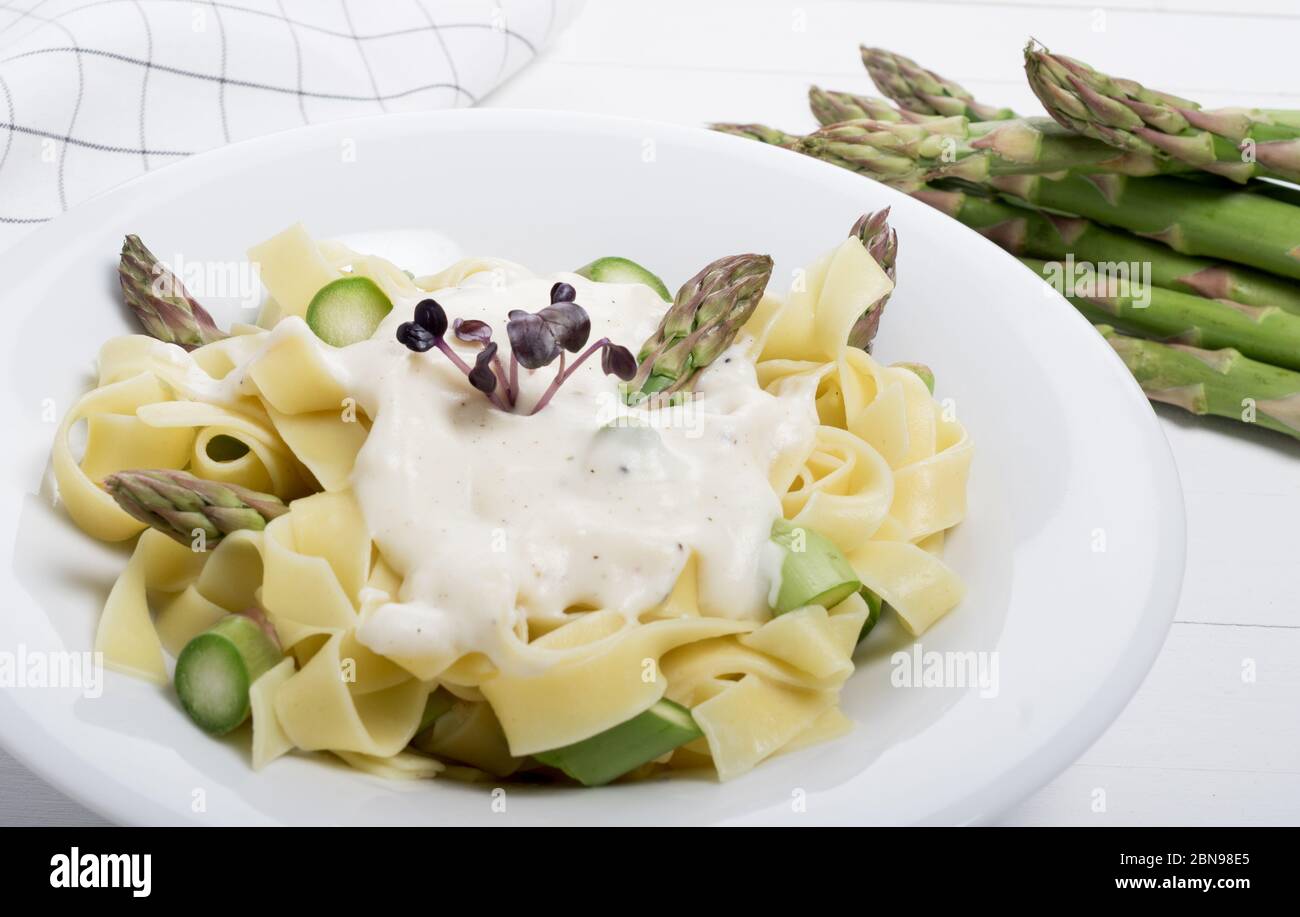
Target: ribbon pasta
(884, 479)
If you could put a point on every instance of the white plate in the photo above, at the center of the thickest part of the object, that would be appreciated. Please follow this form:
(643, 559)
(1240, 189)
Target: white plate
(1073, 548)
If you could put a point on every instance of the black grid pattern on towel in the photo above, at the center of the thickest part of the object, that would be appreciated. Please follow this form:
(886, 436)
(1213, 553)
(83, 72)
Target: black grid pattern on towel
(94, 92)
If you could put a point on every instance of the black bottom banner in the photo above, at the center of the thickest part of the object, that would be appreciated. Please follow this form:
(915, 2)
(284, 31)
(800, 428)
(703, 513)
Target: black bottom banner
(333, 864)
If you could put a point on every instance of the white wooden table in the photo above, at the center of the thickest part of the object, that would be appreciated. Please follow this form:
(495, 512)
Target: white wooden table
(1213, 736)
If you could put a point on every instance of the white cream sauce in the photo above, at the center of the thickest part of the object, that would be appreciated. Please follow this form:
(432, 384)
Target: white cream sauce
(495, 519)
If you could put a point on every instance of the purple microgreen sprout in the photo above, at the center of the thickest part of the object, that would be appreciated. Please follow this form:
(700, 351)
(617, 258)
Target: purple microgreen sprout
(615, 360)
(537, 339)
(428, 330)
(569, 323)
(414, 336)
(531, 339)
(481, 376)
(473, 331)
(430, 316)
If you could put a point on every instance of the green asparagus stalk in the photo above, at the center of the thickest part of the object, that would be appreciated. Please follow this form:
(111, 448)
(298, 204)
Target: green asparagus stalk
(1037, 234)
(179, 504)
(1188, 217)
(1262, 333)
(1239, 144)
(773, 137)
(759, 132)
(923, 91)
(707, 313)
(1219, 382)
(881, 242)
(957, 148)
(830, 106)
(160, 301)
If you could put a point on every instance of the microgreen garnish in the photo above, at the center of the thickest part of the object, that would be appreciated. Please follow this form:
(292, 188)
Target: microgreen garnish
(430, 316)
(537, 339)
(481, 376)
(618, 361)
(531, 341)
(414, 336)
(472, 331)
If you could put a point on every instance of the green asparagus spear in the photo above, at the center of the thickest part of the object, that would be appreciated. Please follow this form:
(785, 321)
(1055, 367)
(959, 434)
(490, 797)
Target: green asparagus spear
(1189, 217)
(160, 301)
(707, 313)
(957, 148)
(1036, 234)
(759, 132)
(1239, 144)
(881, 242)
(1219, 382)
(923, 91)
(179, 504)
(1261, 333)
(771, 136)
(830, 106)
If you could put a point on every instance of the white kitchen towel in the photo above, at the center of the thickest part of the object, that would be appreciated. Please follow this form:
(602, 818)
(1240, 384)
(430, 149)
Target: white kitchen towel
(94, 92)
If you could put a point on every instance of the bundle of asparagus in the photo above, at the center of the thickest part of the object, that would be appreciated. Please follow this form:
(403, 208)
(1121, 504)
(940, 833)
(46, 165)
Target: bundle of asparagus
(1121, 182)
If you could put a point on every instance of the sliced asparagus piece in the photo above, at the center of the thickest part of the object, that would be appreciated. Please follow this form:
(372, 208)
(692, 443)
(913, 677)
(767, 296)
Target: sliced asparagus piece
(707, 313)
(623, 270)
(609, 755)
(215, 670)
(438, 703)
(162, 305)
(347, 310)
(178, 504)
(1239, 144)
(924, 91)
(813, 571)
(1037, 234)
(874, 605)
(1219, 382)
(1262, 333)
(924, 372)
(881, 242)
